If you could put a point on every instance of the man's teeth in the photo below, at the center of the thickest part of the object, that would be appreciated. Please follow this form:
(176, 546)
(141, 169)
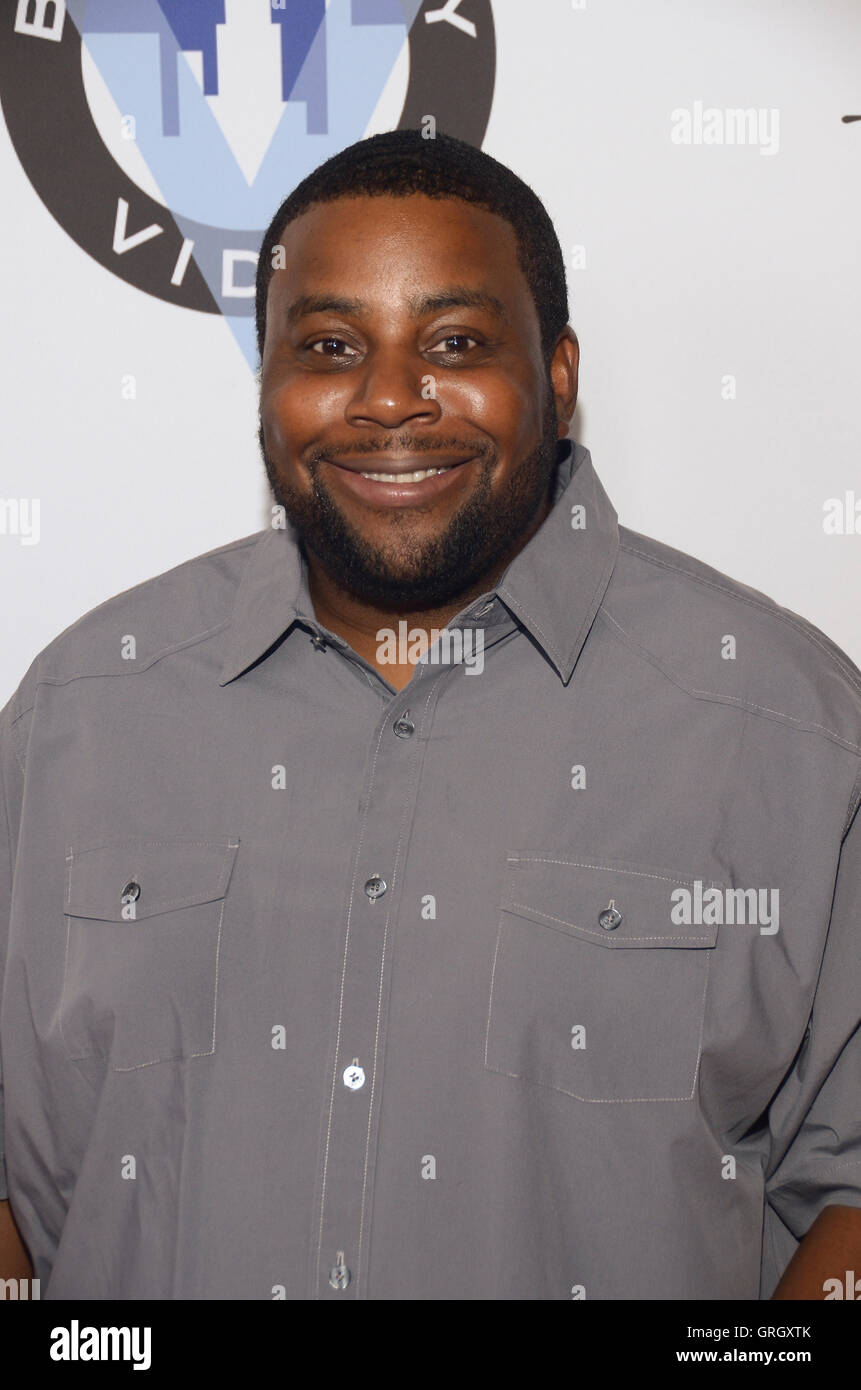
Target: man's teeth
(418, 477)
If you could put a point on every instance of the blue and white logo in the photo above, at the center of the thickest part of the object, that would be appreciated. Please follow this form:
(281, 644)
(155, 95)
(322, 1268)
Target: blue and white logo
(163, 134)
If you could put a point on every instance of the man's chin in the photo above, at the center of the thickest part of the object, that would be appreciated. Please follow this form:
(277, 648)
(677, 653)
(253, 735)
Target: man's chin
(395, 589)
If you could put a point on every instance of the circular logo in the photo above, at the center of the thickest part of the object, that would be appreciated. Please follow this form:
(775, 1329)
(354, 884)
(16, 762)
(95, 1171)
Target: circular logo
(162, 135)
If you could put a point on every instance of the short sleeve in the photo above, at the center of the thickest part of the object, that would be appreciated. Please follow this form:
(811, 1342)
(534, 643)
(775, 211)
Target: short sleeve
(11, 787)
(815, 1119)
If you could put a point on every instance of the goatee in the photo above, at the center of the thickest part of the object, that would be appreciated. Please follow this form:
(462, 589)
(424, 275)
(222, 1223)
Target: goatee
(419, 571)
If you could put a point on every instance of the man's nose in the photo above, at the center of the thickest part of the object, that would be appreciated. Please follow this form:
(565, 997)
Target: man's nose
(392, 387)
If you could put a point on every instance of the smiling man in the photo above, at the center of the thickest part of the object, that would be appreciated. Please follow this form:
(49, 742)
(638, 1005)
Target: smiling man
(410, 434)
(333, 974)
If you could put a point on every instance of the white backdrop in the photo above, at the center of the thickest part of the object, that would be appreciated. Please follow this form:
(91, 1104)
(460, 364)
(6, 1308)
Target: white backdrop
(703, 262)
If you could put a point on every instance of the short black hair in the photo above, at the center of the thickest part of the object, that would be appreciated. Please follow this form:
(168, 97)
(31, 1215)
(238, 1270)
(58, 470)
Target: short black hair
(401, 162)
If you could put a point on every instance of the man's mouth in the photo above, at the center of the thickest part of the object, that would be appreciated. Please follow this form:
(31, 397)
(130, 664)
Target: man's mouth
(417, 477)
(401, 480)
(401, 468)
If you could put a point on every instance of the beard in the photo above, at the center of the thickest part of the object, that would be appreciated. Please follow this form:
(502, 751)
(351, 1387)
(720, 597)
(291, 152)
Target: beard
(416, 571)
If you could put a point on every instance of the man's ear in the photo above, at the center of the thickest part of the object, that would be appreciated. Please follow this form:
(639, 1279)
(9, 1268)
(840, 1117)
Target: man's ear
(564, 375)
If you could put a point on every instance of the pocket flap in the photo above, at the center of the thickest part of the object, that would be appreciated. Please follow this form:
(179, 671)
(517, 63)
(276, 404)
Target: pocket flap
(571, 895)
(154, 875)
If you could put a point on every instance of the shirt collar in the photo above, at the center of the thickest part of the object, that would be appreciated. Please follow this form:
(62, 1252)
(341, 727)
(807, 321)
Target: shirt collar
(553, 587)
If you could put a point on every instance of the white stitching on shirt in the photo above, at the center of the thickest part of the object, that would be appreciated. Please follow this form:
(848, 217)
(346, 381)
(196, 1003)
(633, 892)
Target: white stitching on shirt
(599, 1100)
(178, 1057)
(356, 863)
(135, 668)
(189, 900)
(432, 687)
(172, 1057)
(69, 860)
(611, 868)
(722, 698)
(490, 998)
(605, 940)
(775, 612)
(157, 844)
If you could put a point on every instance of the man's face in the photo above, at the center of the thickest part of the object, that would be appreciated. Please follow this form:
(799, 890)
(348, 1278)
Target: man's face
(402, 336)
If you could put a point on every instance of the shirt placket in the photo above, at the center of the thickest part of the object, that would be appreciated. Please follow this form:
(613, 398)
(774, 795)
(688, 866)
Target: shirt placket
(340, 1237)
(342, 1219)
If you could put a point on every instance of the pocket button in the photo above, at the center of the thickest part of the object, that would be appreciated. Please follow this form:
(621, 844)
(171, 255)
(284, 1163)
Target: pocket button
(610, 918)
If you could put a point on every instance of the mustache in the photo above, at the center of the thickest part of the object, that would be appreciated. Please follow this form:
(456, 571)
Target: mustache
(402, 444)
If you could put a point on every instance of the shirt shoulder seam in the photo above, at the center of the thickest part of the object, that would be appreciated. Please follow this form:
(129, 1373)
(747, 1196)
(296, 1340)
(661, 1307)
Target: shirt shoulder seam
(136, 669)
(14, 735)
(775, 612)
(716, 697)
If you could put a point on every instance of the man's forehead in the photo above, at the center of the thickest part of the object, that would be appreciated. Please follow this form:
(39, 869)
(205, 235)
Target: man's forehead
(442, 253)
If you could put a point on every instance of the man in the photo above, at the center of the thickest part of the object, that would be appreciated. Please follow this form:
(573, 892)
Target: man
(450, 894)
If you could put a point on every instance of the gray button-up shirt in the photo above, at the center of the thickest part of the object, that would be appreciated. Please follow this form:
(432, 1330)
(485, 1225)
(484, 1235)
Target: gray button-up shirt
(536, 979)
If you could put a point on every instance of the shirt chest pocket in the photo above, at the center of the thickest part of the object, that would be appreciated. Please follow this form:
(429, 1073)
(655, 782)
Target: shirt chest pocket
(595, 990)
(143, 936)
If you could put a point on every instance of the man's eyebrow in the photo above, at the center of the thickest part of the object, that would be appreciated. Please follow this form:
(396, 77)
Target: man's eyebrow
(458, 297)
(325, 304)
(453, 297)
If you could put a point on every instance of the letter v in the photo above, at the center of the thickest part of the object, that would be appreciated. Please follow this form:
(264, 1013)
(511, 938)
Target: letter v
(122, 243)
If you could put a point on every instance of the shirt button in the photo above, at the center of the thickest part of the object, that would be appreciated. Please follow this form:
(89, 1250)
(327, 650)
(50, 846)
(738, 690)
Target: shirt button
(354, 1076)
(375, 887)
(339, 1275)
(404, 727)
(319, 642)
(485, 608)
(610, 917)
(131, 892)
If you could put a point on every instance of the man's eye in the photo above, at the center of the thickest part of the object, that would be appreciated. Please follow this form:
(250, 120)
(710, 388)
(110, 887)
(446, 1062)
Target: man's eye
(454, 345)
(331, 347)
